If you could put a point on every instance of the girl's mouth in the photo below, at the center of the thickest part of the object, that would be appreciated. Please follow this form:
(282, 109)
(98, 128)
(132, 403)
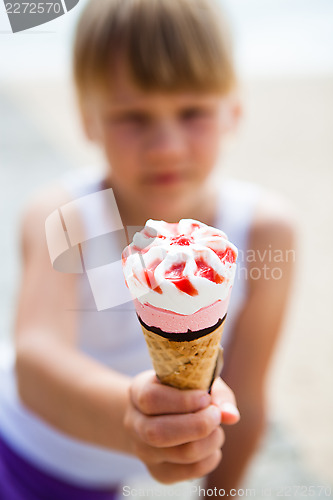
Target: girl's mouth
(165, 179)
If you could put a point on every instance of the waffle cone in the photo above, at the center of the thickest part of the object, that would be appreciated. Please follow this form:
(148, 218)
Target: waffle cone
(185, 365)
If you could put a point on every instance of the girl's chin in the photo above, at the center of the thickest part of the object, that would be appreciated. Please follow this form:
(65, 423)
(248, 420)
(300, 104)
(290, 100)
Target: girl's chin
(170, 210)
(168, 196)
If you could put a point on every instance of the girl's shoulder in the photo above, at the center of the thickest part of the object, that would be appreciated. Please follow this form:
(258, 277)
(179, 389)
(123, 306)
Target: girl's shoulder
(72, 185)
(40, 205)
(256, 209)
(274, 219)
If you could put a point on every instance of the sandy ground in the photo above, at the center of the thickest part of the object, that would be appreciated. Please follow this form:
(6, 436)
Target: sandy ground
(286, 144)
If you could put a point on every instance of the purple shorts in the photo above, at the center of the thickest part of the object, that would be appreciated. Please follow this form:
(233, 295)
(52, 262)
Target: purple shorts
(19, 480)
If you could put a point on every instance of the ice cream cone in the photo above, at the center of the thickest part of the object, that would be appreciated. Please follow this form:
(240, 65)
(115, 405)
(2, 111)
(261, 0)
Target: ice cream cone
(185, 364)
(180, 276)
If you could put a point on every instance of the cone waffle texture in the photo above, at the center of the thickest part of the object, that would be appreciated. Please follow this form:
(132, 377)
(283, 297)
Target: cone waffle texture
(185, 365)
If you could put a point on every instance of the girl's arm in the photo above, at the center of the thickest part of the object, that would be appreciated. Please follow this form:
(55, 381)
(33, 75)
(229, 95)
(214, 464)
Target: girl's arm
(68, 389)
(254, 338)
(177, 434)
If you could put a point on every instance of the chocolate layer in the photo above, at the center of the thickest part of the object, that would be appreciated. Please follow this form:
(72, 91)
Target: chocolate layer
(182, 337)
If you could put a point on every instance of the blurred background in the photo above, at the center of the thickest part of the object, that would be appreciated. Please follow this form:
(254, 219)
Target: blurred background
(284, 51)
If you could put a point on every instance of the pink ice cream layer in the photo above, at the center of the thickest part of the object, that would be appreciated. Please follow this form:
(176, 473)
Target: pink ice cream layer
(170, 321)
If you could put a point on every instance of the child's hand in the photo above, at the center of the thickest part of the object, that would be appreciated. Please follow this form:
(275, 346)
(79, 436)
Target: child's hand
(177, 434)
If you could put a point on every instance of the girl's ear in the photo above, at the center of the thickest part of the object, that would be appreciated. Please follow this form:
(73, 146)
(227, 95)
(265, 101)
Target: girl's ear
(236, 112)
(233, 115)
(88, 123)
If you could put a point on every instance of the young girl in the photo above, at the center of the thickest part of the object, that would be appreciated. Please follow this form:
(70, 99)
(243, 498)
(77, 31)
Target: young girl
(82, 410)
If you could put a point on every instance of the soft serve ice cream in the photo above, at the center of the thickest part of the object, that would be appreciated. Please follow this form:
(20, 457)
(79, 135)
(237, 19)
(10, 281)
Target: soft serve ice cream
(180, 276)
(183, 271)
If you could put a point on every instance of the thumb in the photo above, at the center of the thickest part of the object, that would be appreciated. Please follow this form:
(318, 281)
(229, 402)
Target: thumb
(224, 398)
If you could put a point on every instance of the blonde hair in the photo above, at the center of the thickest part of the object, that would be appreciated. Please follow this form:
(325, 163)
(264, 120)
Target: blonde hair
(168, 45)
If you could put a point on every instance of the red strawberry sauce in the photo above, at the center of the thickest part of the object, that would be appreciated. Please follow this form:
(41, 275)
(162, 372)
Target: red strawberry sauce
(175, 274)
(226, 255)
(150, 278)
(181, 240)
(206, 271)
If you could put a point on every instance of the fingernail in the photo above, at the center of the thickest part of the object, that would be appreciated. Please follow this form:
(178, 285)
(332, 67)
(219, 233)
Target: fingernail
(216, 414)
(231, 409)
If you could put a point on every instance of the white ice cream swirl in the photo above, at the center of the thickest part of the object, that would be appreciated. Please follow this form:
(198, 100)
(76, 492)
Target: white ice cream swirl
(179, 267)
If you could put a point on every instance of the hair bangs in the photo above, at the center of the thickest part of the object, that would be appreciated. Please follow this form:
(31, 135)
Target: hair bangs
(167, 45)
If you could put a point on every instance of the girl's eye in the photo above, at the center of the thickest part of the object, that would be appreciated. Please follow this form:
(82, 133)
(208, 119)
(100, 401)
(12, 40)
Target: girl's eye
(134, 119)
(194, 113)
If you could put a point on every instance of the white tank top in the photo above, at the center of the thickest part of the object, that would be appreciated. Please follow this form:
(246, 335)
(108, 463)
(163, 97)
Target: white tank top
(114, 338)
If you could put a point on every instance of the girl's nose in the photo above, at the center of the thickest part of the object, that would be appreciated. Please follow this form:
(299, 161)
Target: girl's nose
(165, 142)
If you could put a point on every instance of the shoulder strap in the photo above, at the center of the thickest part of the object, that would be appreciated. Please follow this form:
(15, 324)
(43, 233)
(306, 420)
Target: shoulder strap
(82, 182)
(237, 204)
